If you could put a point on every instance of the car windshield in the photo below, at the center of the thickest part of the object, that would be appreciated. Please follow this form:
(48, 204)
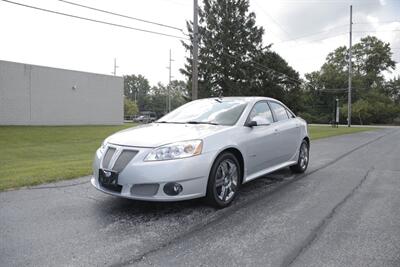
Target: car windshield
(207, 111)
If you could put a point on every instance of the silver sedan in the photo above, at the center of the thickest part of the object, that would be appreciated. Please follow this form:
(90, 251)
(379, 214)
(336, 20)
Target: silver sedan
(205, 148)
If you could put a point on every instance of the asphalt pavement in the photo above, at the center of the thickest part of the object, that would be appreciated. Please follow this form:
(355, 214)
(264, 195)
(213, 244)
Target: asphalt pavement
(344, 211)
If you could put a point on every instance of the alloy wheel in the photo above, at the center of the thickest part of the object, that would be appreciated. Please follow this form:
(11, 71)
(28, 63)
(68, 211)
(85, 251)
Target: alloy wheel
(226, 180)
(303, 157)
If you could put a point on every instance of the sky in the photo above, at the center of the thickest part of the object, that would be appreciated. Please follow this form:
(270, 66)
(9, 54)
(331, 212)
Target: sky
(303, 32)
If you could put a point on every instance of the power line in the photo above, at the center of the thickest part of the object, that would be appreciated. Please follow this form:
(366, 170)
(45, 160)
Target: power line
(178, 3)
(121, 15)
(336, 35)
(333, 36)
(395, 30)
(273, 20)
(93, 20)
(309, 35)
(368, 23)
(262, 67)
(320, 39)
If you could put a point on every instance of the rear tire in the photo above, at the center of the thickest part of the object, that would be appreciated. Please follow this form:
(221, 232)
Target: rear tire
(304, 157)
(224, 181)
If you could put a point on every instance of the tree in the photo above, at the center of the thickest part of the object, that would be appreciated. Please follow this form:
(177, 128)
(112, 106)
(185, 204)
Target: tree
(374, 107)
(371, 58)
(130, 107)
(137, 89)
(279, 81)
(392, 89)
(159, 96)
(232, 58)
(228, 42)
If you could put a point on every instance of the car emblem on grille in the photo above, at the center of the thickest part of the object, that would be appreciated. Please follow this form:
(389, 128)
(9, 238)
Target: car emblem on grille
(107, 173)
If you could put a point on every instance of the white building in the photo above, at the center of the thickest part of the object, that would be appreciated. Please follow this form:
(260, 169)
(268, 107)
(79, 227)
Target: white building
(36, 95)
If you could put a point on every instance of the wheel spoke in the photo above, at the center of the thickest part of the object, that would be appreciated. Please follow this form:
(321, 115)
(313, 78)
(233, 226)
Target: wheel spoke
(221, 194)
(232, 170)
(219, 182)
(224, 168)
(233, 186)
(225, 194)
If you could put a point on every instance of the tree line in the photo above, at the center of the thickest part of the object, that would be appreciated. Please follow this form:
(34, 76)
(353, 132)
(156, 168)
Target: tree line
(233, 61)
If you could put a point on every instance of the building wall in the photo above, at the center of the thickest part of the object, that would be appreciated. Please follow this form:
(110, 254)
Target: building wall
(35, 95)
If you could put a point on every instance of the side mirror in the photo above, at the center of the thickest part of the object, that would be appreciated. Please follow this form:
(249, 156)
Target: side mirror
(251, 124)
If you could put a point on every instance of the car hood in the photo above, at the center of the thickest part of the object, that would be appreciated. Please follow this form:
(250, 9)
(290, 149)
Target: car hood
(157, 134)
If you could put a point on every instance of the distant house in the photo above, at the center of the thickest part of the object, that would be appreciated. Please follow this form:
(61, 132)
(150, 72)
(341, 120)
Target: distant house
(36, 95)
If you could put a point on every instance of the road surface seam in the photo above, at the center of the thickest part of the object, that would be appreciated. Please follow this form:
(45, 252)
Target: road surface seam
(318, 230)
(55, 186)
(223, 213)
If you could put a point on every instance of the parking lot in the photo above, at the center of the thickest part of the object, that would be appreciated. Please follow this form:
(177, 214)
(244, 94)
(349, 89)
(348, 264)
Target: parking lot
(342, 211)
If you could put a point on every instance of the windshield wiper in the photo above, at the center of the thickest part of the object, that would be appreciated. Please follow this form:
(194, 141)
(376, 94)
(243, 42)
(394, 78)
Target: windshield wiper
(201, 122)
(169, 122)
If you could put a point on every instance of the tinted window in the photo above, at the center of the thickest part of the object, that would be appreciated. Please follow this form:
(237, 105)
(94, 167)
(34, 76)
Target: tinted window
(279, 111)
(261, 113)
(218, 111)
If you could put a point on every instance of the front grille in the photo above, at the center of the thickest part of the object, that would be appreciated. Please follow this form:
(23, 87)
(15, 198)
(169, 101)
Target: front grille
(107, 157)
(124, 158)
(113, 167)
(144, 189)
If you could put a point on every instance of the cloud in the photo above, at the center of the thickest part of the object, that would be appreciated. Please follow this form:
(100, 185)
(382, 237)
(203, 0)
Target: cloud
(51, 40)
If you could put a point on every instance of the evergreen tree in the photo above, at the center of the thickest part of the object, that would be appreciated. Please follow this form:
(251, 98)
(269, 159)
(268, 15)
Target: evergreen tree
(228, 41)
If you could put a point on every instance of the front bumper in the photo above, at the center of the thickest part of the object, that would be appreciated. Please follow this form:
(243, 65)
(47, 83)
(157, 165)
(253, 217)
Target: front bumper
(191, 173)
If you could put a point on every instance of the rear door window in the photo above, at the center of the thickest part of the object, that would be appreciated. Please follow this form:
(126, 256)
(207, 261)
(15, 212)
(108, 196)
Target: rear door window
(279, 111)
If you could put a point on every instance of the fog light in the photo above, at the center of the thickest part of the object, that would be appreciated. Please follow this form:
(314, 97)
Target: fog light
(172, 189)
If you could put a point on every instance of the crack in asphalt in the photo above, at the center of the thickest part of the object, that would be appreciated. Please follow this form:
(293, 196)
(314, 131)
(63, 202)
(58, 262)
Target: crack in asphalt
(318, 230)
(219, 215)
(56, 186)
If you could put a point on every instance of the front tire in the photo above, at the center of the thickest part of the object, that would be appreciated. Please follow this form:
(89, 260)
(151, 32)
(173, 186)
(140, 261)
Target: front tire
(224, 181)
(304, 156)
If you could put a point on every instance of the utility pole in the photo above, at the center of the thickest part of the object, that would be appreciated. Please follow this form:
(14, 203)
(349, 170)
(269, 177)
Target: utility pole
(195, 51)
(337, 113)
(169, 82)
(115, 67)
(350, 70)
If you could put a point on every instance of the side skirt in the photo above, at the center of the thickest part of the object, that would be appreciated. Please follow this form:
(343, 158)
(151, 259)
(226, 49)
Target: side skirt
(268, 170)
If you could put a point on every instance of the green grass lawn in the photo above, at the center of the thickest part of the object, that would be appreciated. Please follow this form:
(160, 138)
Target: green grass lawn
(31, 155)
(317, 132)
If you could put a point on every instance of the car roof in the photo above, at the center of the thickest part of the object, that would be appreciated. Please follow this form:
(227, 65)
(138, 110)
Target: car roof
(249, 99)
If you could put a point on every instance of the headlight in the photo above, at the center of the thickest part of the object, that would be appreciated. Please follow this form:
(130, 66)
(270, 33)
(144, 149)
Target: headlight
(103, 147)
(176, 150)
(104, 144)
